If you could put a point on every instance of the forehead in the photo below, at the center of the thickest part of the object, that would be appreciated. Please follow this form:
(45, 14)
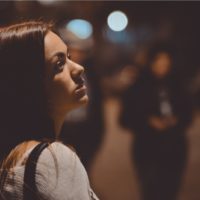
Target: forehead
(52, 45)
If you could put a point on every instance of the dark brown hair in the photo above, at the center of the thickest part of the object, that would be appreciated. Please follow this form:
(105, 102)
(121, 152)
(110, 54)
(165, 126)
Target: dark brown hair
(23, 104)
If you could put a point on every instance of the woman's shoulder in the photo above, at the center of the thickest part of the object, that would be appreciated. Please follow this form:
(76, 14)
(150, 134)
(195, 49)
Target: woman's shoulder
(58, 150)
(55, 149)
(61, 148)
(60, 170)
(58, 157)
(59, 174)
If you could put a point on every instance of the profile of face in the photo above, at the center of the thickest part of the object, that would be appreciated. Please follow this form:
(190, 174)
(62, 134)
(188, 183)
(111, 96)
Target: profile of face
(64, 83)
(161, 65)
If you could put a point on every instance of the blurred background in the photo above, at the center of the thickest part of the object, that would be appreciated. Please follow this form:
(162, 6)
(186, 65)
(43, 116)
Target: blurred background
(139, 136)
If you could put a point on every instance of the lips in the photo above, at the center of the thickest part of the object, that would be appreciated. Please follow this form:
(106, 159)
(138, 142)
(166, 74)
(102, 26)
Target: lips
(81, 90)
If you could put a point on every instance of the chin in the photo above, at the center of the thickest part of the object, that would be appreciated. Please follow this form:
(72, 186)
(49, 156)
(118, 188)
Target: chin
(84, 100)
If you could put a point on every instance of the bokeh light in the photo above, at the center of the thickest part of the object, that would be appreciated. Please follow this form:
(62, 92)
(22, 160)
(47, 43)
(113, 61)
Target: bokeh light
(81, 28)
(117, 21)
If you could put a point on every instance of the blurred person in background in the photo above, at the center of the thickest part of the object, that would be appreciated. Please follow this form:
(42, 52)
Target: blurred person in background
(158, 110)
(83, 127)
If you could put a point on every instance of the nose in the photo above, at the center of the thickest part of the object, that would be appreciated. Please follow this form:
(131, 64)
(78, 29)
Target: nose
(77, 71)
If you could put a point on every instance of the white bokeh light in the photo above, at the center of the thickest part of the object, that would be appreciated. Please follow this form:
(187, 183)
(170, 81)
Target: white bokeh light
(117, 21)
(81, 28)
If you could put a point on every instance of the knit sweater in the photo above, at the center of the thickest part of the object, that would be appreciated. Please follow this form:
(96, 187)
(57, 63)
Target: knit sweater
(60, 175)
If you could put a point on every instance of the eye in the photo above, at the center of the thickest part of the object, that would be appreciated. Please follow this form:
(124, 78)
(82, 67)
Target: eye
(59, 66)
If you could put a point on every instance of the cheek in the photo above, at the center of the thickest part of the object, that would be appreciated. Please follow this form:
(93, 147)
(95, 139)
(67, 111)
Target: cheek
(62, 89)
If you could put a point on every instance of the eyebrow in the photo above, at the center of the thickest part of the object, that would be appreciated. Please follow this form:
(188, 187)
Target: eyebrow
(59, 54)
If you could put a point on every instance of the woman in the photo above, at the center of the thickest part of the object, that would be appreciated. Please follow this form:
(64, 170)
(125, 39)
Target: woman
(39, 85)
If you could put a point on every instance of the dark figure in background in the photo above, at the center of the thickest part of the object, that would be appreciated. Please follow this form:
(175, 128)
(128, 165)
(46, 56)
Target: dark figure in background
(157, 109)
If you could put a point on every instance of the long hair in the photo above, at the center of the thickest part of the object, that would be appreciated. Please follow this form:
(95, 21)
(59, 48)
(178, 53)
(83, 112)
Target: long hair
(23, 103)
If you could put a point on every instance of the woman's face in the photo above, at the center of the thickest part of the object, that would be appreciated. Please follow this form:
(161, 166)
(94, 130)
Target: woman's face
(64, 83)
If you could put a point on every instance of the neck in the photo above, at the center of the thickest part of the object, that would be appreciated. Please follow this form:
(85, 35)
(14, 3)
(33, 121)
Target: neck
(58, 120)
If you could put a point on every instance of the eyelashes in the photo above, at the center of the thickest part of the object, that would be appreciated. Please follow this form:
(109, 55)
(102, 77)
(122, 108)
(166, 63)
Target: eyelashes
(60, 64)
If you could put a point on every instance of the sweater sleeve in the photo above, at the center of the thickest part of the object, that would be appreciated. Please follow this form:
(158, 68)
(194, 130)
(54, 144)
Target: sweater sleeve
(60, 175)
